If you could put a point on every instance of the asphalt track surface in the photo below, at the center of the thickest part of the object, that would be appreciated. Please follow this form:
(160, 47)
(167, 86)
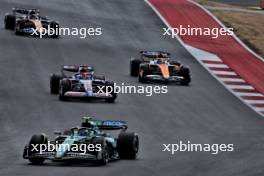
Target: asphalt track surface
(203, 113)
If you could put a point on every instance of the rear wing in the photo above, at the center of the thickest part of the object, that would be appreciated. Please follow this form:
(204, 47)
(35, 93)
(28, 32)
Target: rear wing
(105, 124)
(110, 124)
(70, 68)
(75, 68)
(26, 11)
(154, 54)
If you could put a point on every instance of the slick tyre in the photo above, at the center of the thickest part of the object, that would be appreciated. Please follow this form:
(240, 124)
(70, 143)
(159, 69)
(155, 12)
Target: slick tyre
(108, 86)
(55, 83)
(134, 67)
(36, 140)
(10, 22)
(143, 71)
(127, 145)
(102, 156)
(17, 29)
(185, 72)
(54, 25)
(64, 87)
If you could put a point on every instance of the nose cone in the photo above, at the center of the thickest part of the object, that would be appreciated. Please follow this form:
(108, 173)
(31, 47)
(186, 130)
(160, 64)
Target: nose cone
(166, 76)
(164, 70)
(64, 147)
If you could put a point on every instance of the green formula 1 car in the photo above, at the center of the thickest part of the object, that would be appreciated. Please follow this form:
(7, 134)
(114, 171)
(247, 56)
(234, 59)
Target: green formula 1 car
(88, 142)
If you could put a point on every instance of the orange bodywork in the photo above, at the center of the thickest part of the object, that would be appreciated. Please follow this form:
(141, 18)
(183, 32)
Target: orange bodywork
(38, 25)
(164, 70)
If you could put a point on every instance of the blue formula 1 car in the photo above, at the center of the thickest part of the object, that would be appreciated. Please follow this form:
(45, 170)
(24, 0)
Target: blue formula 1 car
(89, 142)
(81, 83)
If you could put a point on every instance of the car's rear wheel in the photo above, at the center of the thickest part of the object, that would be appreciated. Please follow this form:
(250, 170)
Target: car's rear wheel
(34, 144)
(10, 21)
(127, 145)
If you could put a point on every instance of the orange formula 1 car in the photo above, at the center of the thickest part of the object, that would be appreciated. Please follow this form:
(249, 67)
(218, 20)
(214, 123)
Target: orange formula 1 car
(156, 66)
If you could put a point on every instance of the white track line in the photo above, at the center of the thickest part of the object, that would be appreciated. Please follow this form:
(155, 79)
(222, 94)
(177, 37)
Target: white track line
(248, 94)
(224, 72)
(240, 87)
(200, 54)
(216, 65)
(254, 101)
(258, 109)
(231, 80)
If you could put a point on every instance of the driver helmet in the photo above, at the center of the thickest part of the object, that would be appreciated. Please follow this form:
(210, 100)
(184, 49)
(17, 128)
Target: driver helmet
(33, 17)
(88, 124)
(85, 72)
(161, 59)
(83, 132)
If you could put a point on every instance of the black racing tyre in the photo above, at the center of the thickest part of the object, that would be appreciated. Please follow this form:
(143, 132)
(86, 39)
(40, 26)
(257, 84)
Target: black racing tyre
(185, 72)
(10, 21)
(36, 139)
(65, 86)
(127, 145)
(25, 152)
(143, 72)
(17, 28)
(55, 83)
(54, 25)
(102, 156)
(134, 67)
(113, 93)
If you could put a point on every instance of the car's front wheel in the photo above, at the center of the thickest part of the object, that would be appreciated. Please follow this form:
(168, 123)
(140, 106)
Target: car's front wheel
(64, 87)
(110, 86)
(34, 147)
(102, 155)
(55, 26)
(142, 74)
(185, 72)
(55, 83)
(17, 29)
